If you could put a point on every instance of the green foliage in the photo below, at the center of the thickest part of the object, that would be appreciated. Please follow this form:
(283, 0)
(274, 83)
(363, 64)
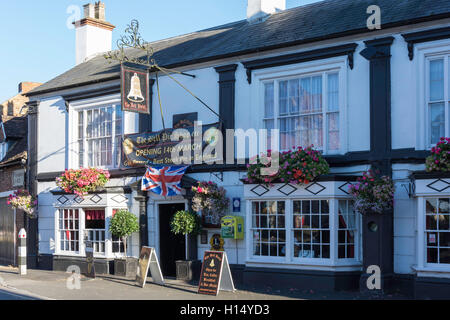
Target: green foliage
(185, 222)
(123, 224)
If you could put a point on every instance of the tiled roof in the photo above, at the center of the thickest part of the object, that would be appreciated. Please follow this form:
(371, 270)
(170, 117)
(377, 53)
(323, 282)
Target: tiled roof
(305, 24)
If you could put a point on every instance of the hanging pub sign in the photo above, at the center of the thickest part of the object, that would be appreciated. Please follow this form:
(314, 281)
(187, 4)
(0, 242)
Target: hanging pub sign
(135, 89)
(155, 148)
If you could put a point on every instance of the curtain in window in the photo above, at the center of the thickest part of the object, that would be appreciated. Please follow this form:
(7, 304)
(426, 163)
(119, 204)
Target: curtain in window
(95, 214)
(347, 217)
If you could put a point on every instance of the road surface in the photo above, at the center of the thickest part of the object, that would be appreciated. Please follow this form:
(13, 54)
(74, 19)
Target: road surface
(10, 295)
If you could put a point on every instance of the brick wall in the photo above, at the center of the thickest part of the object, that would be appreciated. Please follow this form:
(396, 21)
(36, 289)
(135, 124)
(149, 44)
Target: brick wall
(6, 174)
(17, 102)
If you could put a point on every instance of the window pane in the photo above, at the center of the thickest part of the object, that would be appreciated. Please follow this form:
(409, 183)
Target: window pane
(437, 80)
(268, 100)
(316, 93)
(437, 121)
(283, 97)
(333, 131)
(347, 230)
(300, 108)
(293, 96)
(305, 95)
(333, 92)
(269, 235)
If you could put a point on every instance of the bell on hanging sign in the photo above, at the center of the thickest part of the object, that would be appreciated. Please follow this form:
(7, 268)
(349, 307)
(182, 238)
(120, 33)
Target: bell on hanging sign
(135, 94)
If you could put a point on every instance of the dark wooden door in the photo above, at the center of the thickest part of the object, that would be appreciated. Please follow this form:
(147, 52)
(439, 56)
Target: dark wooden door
(7, 234)
(172, 247)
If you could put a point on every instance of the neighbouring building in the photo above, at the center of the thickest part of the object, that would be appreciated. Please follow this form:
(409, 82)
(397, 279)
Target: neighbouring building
(13, 172)
(366, 98)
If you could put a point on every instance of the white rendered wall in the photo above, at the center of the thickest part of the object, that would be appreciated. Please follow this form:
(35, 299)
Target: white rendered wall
(405, 224)
(52, 135)
(90, 41)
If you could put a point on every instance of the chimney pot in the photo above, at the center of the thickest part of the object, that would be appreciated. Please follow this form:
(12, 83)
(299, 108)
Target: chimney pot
(100, 11)
(93, 35)
(89, 11)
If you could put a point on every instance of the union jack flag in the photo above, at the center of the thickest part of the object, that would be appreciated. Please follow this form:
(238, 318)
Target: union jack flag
(163, 180)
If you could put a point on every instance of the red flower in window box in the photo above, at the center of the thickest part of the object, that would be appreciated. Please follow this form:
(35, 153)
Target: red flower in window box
(297, 166)
(84, 180)
(440, 156)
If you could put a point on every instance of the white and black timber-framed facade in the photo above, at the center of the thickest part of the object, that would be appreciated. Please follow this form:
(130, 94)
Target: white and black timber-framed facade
(385, 95)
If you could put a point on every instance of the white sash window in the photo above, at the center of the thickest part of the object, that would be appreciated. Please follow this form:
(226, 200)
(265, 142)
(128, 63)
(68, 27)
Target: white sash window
(306, 109)
(99, 135)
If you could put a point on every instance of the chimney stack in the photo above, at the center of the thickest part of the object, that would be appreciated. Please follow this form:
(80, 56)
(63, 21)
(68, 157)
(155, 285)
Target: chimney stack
(93, 33)
(257, 10)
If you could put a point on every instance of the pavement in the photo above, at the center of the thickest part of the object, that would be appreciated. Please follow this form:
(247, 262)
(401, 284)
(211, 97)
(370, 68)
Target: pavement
(54, 285)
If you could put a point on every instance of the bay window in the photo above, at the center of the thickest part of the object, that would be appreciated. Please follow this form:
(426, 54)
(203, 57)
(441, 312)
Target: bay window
(76, 226)
(306, 109)
(318, 231)
(437, 231)
(98, 136)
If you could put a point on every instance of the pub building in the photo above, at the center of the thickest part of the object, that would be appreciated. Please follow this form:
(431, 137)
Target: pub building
(366, 97)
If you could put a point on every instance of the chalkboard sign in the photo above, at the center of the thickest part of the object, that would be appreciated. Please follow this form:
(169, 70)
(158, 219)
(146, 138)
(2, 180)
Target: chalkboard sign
(215, 274)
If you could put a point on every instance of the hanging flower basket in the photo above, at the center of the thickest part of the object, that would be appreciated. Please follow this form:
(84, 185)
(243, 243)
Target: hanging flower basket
(23, 200)
(440, 156)
(297, 166)
(210, 199)
(372, 194)
(82, 181)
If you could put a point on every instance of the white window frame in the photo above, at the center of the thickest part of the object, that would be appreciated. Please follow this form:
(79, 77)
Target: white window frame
(82, 229)
(332, 65)
(84, 105)
(424, 53)
(422, 265)
(289, 258)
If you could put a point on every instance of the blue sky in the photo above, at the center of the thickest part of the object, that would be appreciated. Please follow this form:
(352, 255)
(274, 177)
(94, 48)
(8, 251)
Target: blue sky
(37, 45)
